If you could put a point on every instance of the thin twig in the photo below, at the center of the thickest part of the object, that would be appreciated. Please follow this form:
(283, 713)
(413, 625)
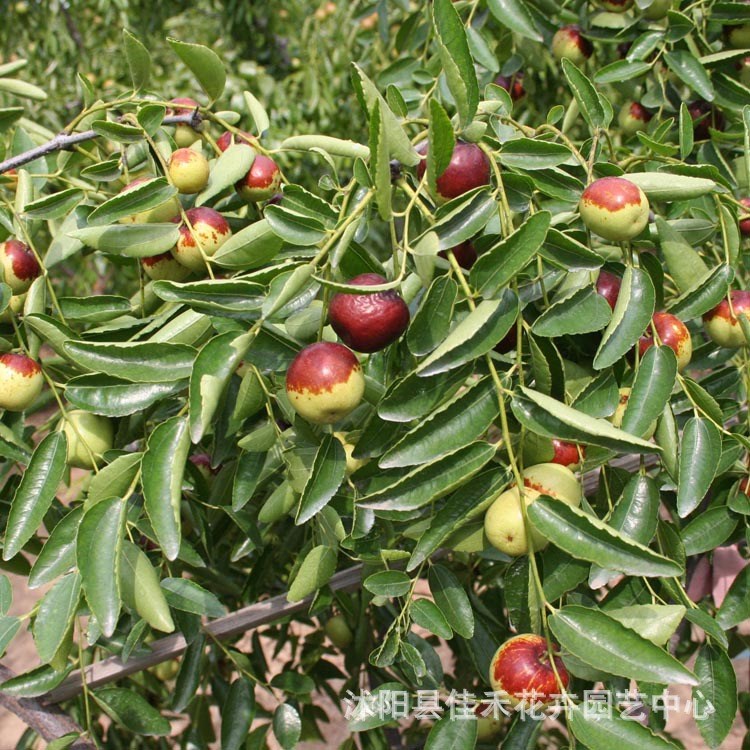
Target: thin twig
(64, 141)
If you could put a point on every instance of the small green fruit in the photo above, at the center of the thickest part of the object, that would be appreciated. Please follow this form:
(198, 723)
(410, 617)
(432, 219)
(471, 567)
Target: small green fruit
(339, 632)
(89, 436)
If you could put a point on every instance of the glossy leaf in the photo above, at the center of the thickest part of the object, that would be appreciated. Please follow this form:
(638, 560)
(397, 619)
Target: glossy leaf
(237, 714)
(326, 475)
(98, 548)
(700, 451)
(314, 572)
(132, 711)
(716, 694)
(187, 595)
(451, 600)
(454, 425)
(587, 538)
(55, 616)
(605, 644)
(162, 470)
(204, 64)
(632, 314)
(476, 335)
(546, 416)
(583, 311)
(35, 493)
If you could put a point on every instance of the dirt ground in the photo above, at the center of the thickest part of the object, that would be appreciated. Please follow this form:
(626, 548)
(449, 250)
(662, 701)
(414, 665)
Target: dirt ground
(22, 656)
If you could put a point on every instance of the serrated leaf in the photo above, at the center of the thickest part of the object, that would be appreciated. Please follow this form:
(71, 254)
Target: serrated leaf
(326, 475)
(700, 451)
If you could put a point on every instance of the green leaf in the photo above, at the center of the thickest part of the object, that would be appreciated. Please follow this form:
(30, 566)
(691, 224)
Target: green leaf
(98, 549)
(527, 153)
(432, 321)
(204, 64)
(704, 295)
(427, 615)
(686, 132)
(502, 262)
(237, 714)
(332, 146)
(451, 600)
(55, 616)
(214, 366)
(585, 537)
(326, 475)
(314, 572)
(293, 227)
(9, 626)
(474, 336)
(140, 589)
(141, 362)
(632, 314)
(130, 240)
(655, 622)
(25, 90)
(515, 15)
(36, 682)
(132, 711)
(690, 71)
(188, 596)
(190, 673)
(442, 141)
(467, 502)
(454, 425)
(546, 416)
(736, 605)
(162, 469)
(664, 186)
(380, 168)
(708, 530)
(583, 311)
(450, 734)
(604, 644)
(113, 397)
(54, 206)
(597, 728)
(653, 385)
(229, 168)
(430, 481)
(251, 247)
(621, 70)
(287, 726)
(232, 298)
(389, 583)
(700, 451)
(6, 595)
(414, 396)
(117, 131)
(716, 694)
(635, 516)
(455, 56)
(460, 219)
(35, 492)
(139, 60)
(398, 140)
(58, 554)
(591, 105)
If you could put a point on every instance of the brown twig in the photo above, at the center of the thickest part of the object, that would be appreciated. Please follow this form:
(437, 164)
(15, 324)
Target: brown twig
(64, 141)
(49, 722)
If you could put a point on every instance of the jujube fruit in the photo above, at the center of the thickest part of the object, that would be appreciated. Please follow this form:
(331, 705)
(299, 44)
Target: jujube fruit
(368, 322)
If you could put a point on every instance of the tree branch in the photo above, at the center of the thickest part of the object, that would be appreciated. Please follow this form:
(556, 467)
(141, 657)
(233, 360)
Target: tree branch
(49, 722)
(64, 141)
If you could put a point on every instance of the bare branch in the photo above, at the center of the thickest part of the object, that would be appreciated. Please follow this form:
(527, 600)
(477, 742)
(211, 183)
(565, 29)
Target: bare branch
(64, 141)
(49, 722)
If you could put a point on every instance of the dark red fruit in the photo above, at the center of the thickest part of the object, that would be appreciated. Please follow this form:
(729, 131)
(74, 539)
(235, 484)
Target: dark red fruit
(464, 253)
(226, 139)
(567, 454)
(673, 333)
(512, 84)
(608, 285)
(705, 117)
(368, 322)
(469, 168)
(745, 223)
